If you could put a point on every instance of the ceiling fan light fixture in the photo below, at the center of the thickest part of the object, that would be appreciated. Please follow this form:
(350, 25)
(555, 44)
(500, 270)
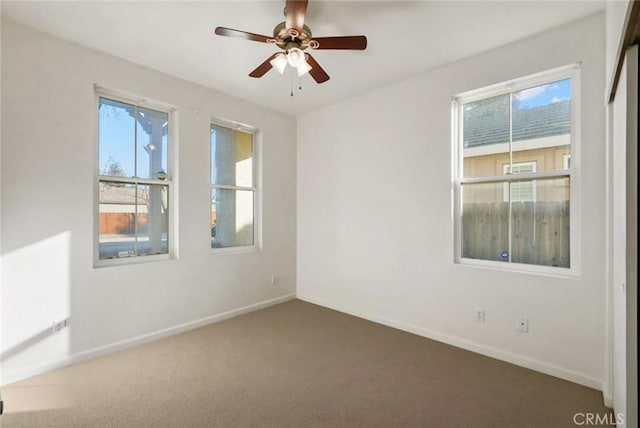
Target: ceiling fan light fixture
(279, 62)
(295, 57)
(303, 68)
(292, 36)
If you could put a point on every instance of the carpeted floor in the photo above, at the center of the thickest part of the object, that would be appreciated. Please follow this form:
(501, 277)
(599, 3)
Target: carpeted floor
(296, 365)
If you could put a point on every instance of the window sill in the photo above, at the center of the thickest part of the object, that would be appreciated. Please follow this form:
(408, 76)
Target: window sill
(234, 250)
(124, 261)
(550, 271)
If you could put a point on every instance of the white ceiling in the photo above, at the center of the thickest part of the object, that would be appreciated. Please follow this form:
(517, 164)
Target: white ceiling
(405, 38)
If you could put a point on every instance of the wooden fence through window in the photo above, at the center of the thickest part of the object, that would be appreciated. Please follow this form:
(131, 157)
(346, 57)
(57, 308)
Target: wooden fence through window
(540, 232)
(122, 223)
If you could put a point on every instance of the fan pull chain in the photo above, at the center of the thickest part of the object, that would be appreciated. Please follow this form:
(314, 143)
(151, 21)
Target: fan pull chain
(291, 83)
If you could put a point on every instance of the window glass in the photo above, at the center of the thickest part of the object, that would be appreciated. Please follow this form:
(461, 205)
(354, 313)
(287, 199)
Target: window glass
(151, 144)
(485, 222)
(117, 220)
(133, 220)
(116, 139)
(530, 232)
(232, 188)
(514, 172)
(535, 124)
(540, 228)
(231, 157)
(486, 121)
(152, 219)
(231, 218)
(542, 111)
(133, 216)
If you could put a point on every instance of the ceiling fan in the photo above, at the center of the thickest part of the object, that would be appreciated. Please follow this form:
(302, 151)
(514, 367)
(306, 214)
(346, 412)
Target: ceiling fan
(293, 36)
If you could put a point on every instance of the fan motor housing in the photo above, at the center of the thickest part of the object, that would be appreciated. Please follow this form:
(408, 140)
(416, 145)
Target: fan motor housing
(284, 38)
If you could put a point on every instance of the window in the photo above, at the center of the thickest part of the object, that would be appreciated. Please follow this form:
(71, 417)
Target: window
(133, 180)
(514, 185)
(233, 186)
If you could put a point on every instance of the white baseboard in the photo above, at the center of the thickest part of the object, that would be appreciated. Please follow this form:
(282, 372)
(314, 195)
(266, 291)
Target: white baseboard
(89, 354)
(509, 357)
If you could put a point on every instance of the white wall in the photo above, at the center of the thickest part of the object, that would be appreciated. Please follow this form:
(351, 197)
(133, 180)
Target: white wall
(375, 225)
(48, 150)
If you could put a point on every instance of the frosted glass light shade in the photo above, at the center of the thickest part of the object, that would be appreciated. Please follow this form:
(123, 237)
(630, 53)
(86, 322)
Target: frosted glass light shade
(303, 68)
(279, 62)
(295, 57)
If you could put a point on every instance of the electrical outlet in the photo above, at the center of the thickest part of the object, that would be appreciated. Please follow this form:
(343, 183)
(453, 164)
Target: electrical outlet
(480, 315)
(523, 324)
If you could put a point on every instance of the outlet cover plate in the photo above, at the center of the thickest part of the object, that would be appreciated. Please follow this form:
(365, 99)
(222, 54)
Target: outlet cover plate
(523, 324)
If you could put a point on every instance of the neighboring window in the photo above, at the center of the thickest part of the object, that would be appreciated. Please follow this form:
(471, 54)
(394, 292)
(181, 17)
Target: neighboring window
(510, 209)
(233, 187)
(134, 180)
(519, 191)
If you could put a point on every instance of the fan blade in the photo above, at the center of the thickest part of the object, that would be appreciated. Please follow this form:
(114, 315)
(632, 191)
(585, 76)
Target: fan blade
(358, 43)
(230, 32)
(318, 74)
(295, 12)
(264, 67)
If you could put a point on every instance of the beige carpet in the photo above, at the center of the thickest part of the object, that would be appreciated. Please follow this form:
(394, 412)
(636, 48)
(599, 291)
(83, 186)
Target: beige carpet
(296, 365)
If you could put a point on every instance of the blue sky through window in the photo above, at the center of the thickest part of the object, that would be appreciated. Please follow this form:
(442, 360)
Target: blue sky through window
(116, 139)
(537, 96)
(117, 143)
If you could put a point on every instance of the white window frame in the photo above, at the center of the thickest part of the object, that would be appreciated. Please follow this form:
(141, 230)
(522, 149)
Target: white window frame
(572, 72)
(170, 182)
(256, 188)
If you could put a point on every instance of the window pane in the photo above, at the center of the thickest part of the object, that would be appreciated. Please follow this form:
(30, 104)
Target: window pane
(231, 157)
(133, 220)
(541, 130)
(214, 218)
(116, 138)
(540, 228)
(231, 218)
(542, 124)
(485, 222)
(117, 220)
(486, 136)
(152, 220)
(153, 127)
